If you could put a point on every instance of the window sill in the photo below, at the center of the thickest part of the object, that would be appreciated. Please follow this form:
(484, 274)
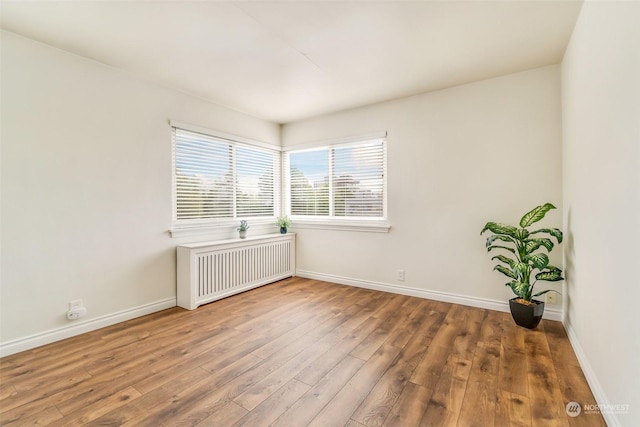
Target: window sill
(185, 230)
(371, 226)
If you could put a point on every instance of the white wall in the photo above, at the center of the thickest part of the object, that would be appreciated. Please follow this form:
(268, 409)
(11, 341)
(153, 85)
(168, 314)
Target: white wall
(601, 138)
(457, 158)
(86, 187)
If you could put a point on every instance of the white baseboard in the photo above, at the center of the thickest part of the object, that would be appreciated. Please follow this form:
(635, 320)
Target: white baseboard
(598, 392)
(549, 313)
(77, 328)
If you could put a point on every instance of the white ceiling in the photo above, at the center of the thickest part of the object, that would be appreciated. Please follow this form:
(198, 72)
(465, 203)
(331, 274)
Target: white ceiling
(288, 60)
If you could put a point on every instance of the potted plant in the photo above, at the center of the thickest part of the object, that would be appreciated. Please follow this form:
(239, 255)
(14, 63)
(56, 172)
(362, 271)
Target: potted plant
(283, 222)
(244, 226)
(523, 260)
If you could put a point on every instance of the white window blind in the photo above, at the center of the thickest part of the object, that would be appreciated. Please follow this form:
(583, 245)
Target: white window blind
(309, 182)
(341, 181)
(216, 178)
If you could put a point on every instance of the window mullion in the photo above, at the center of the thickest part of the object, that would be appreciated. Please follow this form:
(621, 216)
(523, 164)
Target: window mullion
(280, 192)
(174, 185)
(331, 189)
(234, 177)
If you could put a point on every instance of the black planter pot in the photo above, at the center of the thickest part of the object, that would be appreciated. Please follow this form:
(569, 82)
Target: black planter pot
(283, 230)
(527, 316)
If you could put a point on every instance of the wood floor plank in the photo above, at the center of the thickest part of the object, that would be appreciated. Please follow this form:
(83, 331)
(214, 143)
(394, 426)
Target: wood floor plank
(200, 397)
(544, 388)
(248, 344)
(46, 391)
(450, 327)
(574, 388)
(379, 402)
(448, 394)
(210, 396)
(316, 343)
(286, 352)
(225, 416)
(299, 331)
(193, 407)
(312, 402)
(573, 384)
(492, 328)
(349, 319)
(262, 390)
(391, 306)
(441, 306)
(102, 386)
(7, 390)
(47, 376)
(410, 406)
(151, 402)
(427, 373)
(89, 413)
(168, 369)
(512, 410)
(559, 343)
(322, 365)
(513, 362)
(374, 340)
(339, 410)
(412, 323)
(28, 417)
(479, 403)
(275, 405)
(427, 330)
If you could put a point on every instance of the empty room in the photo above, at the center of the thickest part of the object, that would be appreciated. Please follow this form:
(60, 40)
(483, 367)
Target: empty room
(319, 213)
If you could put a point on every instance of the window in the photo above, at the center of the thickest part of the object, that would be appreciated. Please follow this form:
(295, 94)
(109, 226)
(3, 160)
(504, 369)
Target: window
(338, 183)
(218, 178)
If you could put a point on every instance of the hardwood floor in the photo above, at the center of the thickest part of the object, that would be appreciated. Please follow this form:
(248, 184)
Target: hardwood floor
(302, 352)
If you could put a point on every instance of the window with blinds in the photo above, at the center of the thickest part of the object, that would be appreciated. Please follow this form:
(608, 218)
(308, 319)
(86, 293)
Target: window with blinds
(217, 178)
(341, 181)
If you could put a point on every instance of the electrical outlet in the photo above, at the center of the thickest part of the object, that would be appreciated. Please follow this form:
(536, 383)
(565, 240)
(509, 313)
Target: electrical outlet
(400, 275)
(552, 298)
(76, 310)
(74, 305)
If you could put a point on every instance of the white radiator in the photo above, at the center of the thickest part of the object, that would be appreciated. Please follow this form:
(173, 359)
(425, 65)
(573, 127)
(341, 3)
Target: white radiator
(212, 270)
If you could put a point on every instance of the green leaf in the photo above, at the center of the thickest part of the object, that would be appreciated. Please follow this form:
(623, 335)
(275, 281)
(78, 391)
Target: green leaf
(523, 268)
(553, 268)
(533, 244)
(495, 237)
(555, 232)
(498, 228)
(544, 292)
(514, 287)
(521, 234)
(510, 262)
(539, 261)
(535, 215)
(504, 270)
(519, 288)
(490, 248)
(549, 276)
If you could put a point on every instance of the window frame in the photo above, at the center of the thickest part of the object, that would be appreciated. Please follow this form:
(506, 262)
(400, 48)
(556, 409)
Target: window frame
(332, 222)
(181, 227)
